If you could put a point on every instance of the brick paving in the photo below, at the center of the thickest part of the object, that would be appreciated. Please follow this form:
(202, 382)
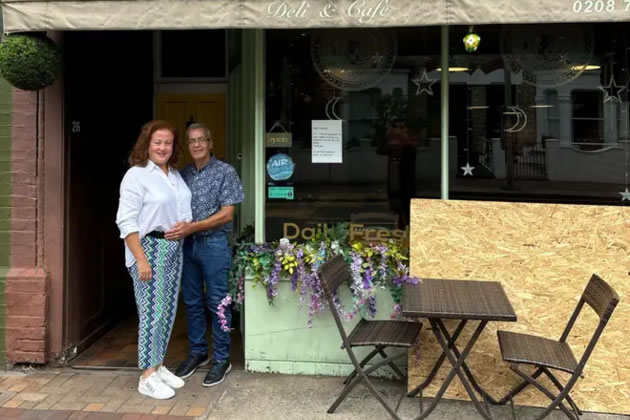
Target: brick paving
(73, 394)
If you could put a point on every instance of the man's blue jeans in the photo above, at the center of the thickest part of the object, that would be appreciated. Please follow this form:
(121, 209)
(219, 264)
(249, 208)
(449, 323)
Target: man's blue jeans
(207, 261)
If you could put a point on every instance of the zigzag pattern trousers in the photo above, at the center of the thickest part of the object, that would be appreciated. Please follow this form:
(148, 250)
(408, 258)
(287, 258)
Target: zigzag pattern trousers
(156, 300)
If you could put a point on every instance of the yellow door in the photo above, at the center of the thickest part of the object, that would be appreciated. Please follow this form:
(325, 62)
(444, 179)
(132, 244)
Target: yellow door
(181, 110)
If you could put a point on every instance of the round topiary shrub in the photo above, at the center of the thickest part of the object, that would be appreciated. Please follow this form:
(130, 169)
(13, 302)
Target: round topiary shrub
(29, 61)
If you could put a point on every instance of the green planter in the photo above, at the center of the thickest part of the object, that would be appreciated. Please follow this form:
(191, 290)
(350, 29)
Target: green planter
(278, 340)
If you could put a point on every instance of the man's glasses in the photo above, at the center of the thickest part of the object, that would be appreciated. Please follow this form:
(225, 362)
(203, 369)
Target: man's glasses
(198, 140)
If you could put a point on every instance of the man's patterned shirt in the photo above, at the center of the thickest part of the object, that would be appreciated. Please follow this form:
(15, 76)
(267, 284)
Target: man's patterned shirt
(213, 186)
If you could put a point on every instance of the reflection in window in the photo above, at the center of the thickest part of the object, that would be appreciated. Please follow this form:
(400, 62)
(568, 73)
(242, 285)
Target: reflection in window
(550, 107)
(383, 86)
(587, 119)
(544, 116)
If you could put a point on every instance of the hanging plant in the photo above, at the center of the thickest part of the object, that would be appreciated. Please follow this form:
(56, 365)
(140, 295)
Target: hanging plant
(29, 61)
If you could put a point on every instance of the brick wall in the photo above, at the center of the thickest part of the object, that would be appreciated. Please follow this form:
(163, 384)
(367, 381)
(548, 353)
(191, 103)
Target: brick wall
(5, 203)
(26, 282)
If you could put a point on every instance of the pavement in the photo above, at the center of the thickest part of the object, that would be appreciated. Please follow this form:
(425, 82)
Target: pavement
(57, 394)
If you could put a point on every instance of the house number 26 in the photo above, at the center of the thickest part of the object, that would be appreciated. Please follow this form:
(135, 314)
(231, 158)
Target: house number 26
(76, 126)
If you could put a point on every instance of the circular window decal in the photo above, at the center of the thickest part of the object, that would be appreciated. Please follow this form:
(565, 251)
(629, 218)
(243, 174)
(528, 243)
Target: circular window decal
(548, 55)
(280, 167)
(353, 59)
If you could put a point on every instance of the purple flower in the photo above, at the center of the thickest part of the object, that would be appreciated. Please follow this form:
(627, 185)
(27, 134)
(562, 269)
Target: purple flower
(272, 282)
(396, 311)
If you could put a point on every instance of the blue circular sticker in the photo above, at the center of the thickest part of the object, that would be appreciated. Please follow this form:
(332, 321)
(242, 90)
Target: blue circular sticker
(280, 167)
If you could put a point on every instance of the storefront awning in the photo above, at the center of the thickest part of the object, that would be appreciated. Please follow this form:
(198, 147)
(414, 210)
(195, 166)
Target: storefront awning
(35, 15)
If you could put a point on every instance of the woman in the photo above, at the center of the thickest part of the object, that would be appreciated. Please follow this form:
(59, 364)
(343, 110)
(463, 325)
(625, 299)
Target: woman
(153, 197)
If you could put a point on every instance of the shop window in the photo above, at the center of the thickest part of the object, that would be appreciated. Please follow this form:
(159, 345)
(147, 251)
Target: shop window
(194, 54)
(544, 117)
(380, 87)
(537, 113)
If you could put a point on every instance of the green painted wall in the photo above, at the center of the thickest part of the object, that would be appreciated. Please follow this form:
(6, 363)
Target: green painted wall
(5, 202)
(278, 339)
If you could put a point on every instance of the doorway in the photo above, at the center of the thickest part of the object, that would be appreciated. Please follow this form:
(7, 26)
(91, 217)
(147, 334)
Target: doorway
(109, 92)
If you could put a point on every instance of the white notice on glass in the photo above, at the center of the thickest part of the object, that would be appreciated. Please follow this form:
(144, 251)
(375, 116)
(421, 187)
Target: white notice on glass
(327, 141)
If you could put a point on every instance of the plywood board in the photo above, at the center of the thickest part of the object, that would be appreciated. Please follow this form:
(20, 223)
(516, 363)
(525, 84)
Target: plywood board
(543, 254)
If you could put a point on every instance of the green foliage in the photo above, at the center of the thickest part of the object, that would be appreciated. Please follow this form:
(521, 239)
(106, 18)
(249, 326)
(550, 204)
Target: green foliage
(29, 61)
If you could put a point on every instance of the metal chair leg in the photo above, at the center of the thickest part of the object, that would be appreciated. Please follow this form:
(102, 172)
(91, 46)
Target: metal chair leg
(517, 389)
(558, 385)
(363, 376)
(362, 364)
(392, 365)
(556, 400)
(439, 362)
(381, 399)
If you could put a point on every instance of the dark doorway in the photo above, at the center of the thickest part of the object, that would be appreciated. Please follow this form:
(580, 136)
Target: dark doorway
(109, 94)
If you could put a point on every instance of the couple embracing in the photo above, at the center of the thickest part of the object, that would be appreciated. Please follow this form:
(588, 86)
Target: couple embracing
(175, 226)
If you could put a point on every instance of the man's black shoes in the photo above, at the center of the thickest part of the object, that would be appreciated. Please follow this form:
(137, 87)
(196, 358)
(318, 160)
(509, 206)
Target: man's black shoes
(217, 373)
(190, 365)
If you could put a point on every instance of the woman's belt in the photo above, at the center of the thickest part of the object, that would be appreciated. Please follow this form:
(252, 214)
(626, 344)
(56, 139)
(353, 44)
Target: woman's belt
(156, 234)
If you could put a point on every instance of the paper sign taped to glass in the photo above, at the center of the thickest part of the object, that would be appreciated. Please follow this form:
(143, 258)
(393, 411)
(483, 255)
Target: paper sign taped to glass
(327, 141)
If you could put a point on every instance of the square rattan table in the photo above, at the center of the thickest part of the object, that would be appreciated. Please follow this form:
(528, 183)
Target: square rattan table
(466, 300)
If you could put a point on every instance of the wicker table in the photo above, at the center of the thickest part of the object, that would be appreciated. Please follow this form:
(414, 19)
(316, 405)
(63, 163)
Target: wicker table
(466, 300)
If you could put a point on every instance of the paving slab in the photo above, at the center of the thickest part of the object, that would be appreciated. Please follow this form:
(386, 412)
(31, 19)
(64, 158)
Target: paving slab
(112, 395)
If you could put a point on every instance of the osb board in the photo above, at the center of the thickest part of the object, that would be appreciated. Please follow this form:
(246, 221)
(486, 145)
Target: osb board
(543, 255)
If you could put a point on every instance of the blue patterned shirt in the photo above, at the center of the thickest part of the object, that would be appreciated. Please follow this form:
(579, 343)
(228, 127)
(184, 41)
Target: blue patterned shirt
(215, 185)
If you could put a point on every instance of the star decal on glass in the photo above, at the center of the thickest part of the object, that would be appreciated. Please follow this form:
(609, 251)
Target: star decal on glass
(378, 58)
(625, 195)
(424, 83)
(468, 169)
(612, 91)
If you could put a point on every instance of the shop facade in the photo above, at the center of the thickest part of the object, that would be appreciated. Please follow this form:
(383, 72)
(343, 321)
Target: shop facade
(537, 113)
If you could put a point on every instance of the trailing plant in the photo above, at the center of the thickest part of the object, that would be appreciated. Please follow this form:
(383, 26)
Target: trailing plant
(29, 61)
(373, 266)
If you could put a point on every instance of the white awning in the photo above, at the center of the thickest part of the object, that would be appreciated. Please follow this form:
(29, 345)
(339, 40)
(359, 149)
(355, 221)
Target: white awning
(36, 15)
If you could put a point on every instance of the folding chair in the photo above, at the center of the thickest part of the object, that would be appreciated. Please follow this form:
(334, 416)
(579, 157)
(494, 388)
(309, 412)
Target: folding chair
(547, 354)
(380, 334)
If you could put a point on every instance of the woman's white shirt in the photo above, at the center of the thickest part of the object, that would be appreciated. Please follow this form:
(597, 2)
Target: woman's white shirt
(151, 200)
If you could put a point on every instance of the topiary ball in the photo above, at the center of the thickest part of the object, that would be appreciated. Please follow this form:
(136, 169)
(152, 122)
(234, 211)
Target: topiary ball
(29, 61)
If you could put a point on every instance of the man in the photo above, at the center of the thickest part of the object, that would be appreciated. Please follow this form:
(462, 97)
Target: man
(215, 189)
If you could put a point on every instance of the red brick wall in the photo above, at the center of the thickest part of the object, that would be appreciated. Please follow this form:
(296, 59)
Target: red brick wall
(26, 287)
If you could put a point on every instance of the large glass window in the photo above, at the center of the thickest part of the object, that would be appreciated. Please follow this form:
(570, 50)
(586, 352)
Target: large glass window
(537, 113)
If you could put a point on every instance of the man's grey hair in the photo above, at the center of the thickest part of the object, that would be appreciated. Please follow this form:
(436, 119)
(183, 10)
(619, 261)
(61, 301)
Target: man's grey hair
(197, 126)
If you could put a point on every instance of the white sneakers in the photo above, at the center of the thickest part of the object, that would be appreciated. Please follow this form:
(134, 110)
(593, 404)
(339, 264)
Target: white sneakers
(160, 384)
(169, 379)
(154, 387)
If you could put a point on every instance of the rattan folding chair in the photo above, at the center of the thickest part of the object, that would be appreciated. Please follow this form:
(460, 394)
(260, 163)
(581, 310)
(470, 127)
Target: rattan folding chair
(546, 354)
(380, 334)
